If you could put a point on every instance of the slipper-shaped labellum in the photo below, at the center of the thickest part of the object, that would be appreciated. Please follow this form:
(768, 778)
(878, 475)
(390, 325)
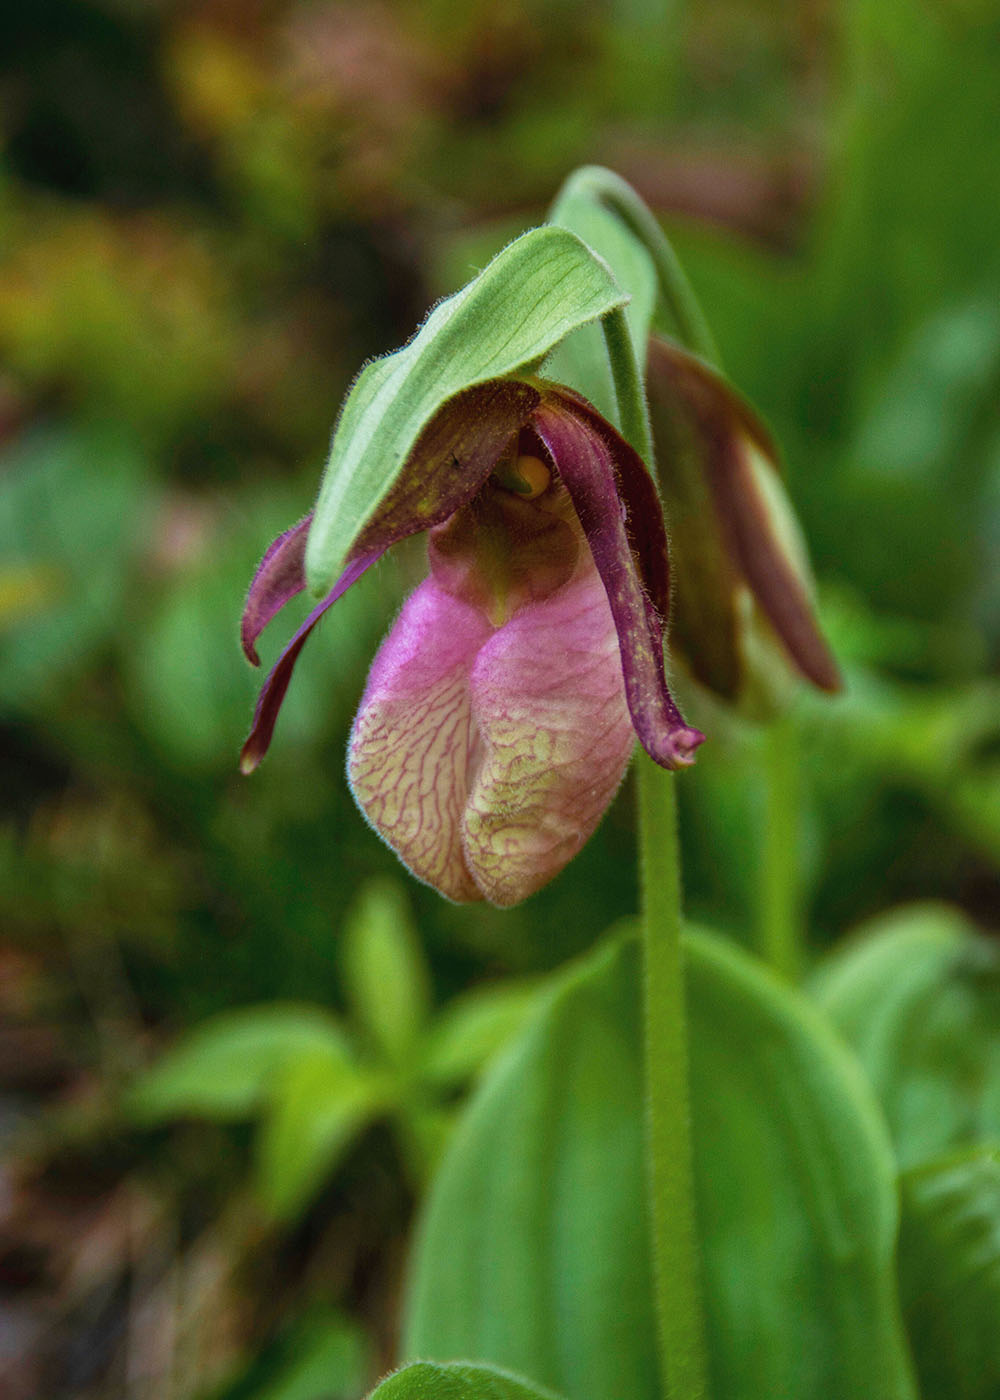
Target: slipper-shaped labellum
(502, 709)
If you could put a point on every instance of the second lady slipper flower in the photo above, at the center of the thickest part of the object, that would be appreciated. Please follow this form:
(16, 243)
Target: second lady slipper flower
(502, 709)
(744, 622)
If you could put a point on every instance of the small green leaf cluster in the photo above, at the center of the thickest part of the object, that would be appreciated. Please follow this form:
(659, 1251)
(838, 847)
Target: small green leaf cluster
(314, 1081)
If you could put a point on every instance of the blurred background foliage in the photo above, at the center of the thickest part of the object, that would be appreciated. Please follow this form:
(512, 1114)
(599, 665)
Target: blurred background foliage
(211, 212)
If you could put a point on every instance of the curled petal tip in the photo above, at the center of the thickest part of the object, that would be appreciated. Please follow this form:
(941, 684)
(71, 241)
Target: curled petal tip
(249, 760)
(685, 742)
(675, 748)
(248, 641)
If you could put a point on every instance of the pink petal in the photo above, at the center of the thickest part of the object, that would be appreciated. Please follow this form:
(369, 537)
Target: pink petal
(556, 736)
(413, 744)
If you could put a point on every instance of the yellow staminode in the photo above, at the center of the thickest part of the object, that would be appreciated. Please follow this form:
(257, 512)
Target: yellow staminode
(526, 477)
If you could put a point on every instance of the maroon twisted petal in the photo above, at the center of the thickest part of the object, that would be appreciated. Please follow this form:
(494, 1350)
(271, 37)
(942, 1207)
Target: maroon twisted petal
(605, 478)
(273, 690)
(449, 463)
(280, 576)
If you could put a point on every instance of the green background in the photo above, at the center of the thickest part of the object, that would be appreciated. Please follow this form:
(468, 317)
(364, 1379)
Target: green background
(211, 214)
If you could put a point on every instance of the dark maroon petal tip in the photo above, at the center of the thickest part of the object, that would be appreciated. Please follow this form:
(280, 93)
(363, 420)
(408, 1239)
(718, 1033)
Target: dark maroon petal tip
(279, 577)
(273, 691)
(590, 460)
(773, 580)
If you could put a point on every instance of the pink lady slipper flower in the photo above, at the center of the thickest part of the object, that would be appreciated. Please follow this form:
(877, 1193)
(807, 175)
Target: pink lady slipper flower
(503, 707)
(501, 711)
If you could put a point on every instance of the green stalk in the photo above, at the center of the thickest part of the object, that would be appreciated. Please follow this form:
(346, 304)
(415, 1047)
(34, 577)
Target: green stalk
(633, 411)
(779, 911)
(678, 1299)
(676, 1263)
(679, 300)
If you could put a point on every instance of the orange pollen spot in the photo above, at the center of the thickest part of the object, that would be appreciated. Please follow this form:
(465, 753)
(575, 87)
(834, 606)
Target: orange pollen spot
(529, 478)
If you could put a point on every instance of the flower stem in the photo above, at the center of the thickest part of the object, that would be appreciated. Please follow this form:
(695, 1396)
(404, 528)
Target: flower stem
(676, 1274)
(679, 300)
(779, 911)
(633, 411)
(677, 1286)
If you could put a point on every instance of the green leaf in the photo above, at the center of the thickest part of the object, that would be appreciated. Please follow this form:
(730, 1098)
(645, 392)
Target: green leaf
(533, 1251)
(473, 1027)
(223, 1067)
(949, 1268)
(531, 296)
(581, 360)
(385, 971)
(425, 1381)
(917, 995)
(318, 1105)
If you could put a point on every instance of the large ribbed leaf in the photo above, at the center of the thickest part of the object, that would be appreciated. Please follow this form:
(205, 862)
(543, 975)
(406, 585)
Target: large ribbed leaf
(425, 1381)
(531, 296)
(917, 995)
(949, 1266)
(533, 1251)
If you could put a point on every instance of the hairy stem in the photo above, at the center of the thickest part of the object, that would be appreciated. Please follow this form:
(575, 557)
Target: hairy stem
(676, 1264)
(633, 411)
(677, 1284)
